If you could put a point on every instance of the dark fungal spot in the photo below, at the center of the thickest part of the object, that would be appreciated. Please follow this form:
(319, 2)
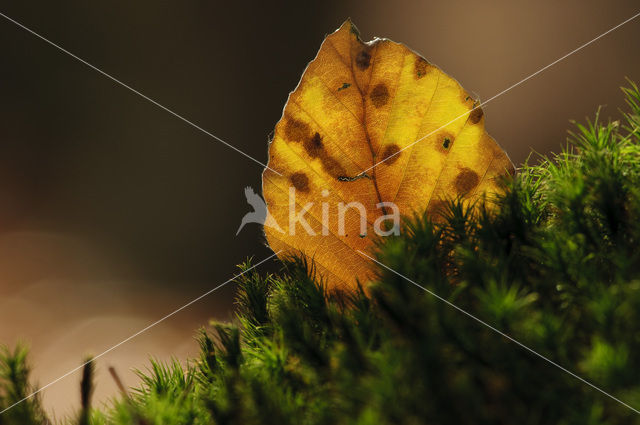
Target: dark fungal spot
(314, 145)
(363, 59)
(300, 132)
(444, 142)
(437, 210)
(344, 86)
(296, 131)
(468, 99)
(391, 154)
(300, 181)
(466, 180)
(332, 166)
(421, 66)
(476, 115)
(379, 95)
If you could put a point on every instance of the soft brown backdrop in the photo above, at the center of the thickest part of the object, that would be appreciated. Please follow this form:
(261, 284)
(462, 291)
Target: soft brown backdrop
(113, 212)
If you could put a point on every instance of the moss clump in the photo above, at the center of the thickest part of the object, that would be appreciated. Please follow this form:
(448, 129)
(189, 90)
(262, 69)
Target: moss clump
(556, 266)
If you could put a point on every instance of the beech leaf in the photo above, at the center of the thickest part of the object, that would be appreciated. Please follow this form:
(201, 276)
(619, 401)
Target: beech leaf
(358, 104)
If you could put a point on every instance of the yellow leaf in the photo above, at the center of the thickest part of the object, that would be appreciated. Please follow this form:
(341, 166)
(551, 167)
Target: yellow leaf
(356, 105)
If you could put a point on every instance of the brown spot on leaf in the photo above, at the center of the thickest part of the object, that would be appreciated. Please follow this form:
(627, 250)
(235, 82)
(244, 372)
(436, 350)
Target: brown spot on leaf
(315, 148)
(444, 141)
(476, 115)
(332, 166)
(390, 154)
(421, 66)
(466, 180)
(379, 95)
(313, 145)
(363, 59)
(437, 210)
(296, 131)
(300, 181)
(468, 99)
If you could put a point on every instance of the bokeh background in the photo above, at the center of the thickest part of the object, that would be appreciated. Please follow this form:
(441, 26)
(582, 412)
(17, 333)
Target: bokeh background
(113, 213)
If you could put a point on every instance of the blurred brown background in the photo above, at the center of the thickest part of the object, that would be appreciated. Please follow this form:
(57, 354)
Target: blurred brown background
(114, 213)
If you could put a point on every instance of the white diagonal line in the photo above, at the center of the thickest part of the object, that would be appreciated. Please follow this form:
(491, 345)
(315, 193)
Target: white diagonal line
(124, 341)
(112, 78)
(509, 88)
(449, 303)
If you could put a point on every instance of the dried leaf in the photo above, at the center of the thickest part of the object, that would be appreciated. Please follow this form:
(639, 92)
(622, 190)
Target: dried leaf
(356, 105)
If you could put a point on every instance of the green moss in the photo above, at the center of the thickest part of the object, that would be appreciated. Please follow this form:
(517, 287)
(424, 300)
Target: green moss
(556, 266)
